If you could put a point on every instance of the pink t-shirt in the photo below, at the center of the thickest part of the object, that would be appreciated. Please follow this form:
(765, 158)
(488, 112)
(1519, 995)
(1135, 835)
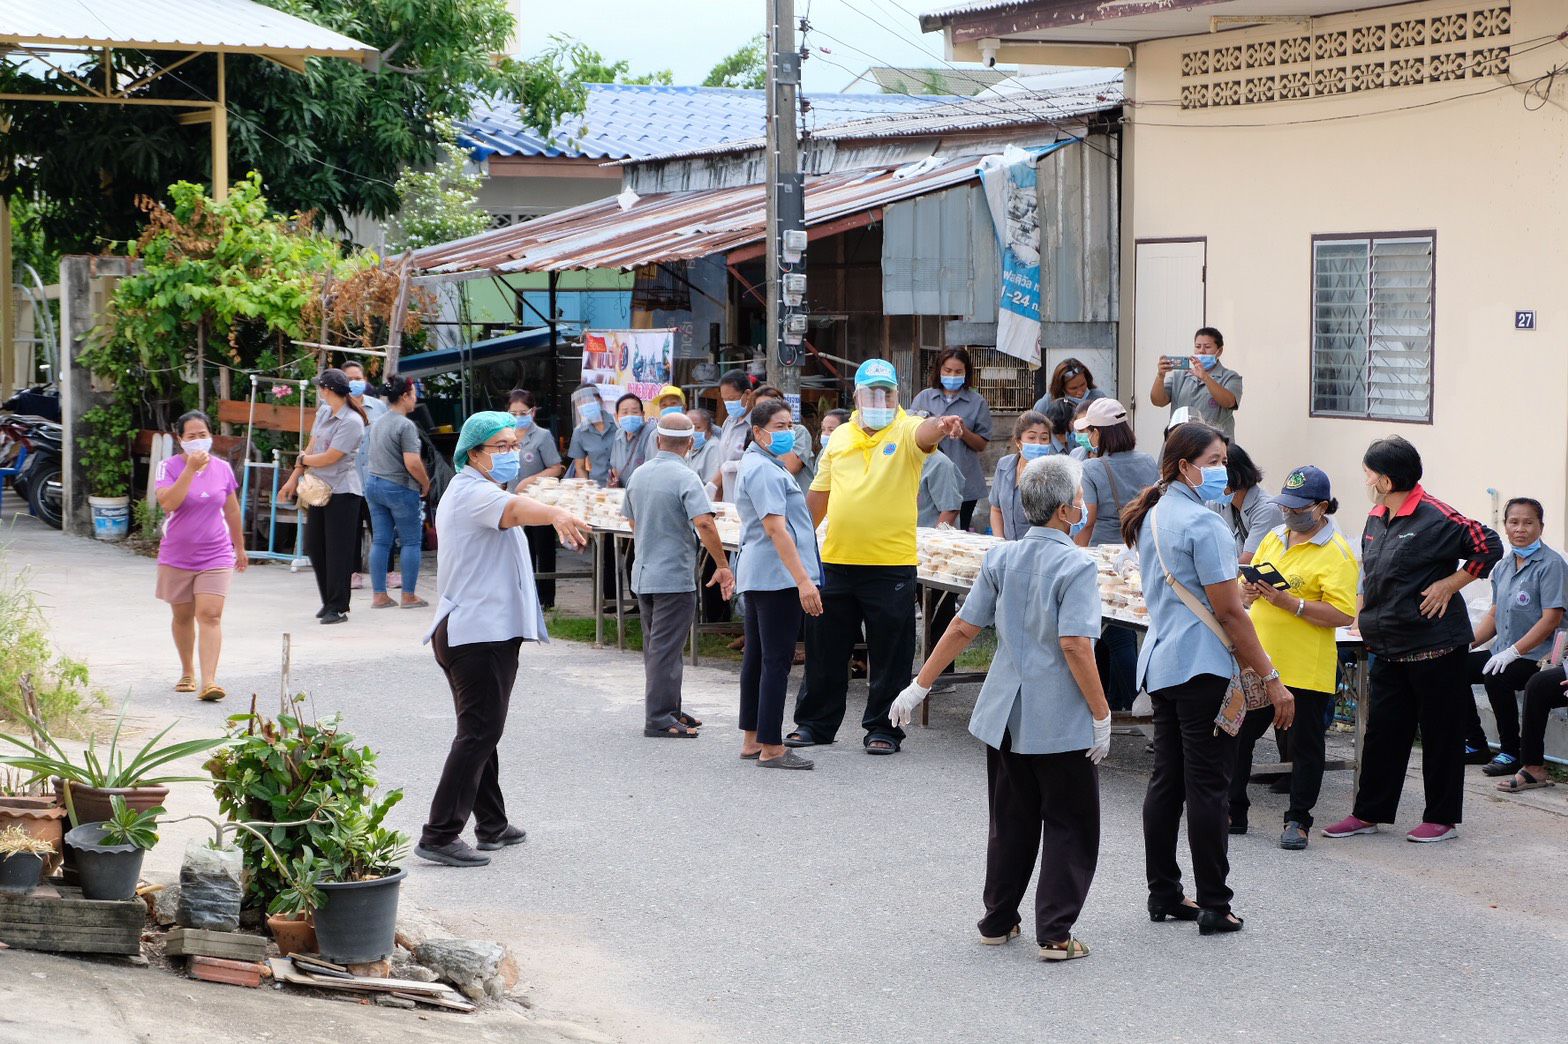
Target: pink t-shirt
(196, 537)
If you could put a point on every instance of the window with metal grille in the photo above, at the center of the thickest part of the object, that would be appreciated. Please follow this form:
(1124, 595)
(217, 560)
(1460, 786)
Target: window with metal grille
(1372, 326)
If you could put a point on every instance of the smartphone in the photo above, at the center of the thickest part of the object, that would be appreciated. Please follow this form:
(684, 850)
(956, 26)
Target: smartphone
(1265, 574)
(1179, 362)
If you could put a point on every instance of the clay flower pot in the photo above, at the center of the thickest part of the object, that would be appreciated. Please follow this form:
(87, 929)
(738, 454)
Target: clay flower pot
(293, 933)
(39, 817)
(93, 806)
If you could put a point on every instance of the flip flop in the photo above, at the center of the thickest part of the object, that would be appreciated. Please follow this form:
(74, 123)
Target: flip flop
(383, 605)
(418, 603)
(753, 756)
(185, 684)
(804, 738)
(672, 732)
(688, 721)
(212, 694)
(1523, 780)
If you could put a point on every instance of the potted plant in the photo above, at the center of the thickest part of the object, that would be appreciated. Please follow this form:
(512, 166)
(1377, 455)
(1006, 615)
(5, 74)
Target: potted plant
(109, 854)
(87, 786)
(352, 885)
(25, 806)
(21, 861)
(291, 915)
(104, 449)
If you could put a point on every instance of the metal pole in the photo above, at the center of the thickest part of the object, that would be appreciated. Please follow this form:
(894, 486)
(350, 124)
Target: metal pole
(220, 136)
(10, 379)
(785, 186)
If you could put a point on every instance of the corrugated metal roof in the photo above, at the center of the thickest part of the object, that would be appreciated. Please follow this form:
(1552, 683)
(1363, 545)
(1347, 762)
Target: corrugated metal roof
(627, 121)
(206, 25)
(927, 18)
(678, 226)
(1045, 100)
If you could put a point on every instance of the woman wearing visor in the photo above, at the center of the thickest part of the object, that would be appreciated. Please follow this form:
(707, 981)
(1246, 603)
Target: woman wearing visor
(593, 436)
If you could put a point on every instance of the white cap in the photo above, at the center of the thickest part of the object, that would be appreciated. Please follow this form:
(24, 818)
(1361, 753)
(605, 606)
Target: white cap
(1180, 415)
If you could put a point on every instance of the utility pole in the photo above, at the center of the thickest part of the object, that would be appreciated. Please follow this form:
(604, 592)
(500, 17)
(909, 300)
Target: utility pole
(786, 200)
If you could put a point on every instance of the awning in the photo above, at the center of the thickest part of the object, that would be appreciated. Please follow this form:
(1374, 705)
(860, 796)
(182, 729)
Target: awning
(496, 349)
(681, 226)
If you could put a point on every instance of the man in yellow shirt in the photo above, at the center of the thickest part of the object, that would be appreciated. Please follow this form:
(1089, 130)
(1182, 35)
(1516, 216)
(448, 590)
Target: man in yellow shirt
(867, 484)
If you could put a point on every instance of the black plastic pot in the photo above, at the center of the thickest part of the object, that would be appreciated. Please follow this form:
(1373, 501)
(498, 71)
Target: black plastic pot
(106, 871)
(357, 920)
(20, 873)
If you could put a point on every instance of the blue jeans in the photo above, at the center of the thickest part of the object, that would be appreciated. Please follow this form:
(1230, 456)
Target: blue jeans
(394, 512)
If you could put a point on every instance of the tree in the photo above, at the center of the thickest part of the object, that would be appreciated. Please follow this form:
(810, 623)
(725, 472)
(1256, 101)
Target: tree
(590, 66)
(440, 204)
(747, 67)
(331, 141)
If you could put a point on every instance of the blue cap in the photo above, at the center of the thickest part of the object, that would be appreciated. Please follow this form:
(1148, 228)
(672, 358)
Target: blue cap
(1304, 487)
(876, 373)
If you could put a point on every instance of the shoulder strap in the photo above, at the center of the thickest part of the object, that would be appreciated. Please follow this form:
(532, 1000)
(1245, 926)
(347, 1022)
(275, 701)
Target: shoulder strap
(1188, 599)
(1110, 476)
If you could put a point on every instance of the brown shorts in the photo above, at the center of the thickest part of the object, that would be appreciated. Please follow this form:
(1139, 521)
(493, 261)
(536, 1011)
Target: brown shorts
(177, 586)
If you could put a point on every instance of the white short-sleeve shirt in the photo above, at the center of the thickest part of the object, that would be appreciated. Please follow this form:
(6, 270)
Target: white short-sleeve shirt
(484, 580)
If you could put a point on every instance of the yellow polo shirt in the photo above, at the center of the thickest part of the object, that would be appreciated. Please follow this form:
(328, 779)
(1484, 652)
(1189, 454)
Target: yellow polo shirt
(1322, 569)
(873, 481)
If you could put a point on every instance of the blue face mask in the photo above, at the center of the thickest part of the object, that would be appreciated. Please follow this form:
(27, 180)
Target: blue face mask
(952, 383)
(504, 467)
(1077, 527)
(592, 412)
(632, 424)
(877, 419)
(824, 437)
(1036, 450)
(1209, 361)
(356, 388)
(1215, 479)
(734, 407)
(1082, 441)
(1527, 550)
(524, 420)
(781, 442)
(697, 439)
(669, 410)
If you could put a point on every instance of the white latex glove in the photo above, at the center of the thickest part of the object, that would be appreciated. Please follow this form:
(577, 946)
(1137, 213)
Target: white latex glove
(1102, 740)
(1500, 661)
(908, 701)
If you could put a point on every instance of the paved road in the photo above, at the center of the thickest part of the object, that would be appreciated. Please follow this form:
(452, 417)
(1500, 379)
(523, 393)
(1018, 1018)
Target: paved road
(669, 891)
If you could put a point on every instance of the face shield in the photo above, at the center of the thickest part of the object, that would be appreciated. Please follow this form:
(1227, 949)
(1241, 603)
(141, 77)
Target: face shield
(877, 405)
(587, 408)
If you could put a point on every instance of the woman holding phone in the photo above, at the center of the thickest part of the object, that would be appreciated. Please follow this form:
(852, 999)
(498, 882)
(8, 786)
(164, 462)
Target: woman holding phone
(1200, 382)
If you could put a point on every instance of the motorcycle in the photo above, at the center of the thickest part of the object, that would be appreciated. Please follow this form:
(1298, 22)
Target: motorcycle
(33, 446)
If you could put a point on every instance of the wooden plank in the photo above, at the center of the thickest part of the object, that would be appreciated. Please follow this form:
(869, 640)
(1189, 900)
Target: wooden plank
(269, 417)
(71, 940)
(70, 909)
(284, 971)
(199, 942)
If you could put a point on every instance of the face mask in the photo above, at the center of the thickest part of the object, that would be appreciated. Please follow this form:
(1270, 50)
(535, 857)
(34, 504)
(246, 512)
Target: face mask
(1209, 361)
(1082, 441)
(1077, 527)
(592, 412)
(203, 445)
(1527, 550)
(781, 442)
(697, 439)
(952, 383)
(1215, 479)
(734, 407)
(826, 435)
(525, 420)
(356, 388)
(1076, 400)
(632, 424)
(504, 467)
(1035, 450)
(1300, 521)
(1373, 494)
(669, 410)
(878, 418)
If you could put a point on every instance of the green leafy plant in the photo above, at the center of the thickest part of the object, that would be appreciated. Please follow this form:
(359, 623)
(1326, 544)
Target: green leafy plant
(126, 826)
(302, 895)
(357, 846)
(439, 204)
(149, 521)
(104, 447)
(746, 67)
(16, 841)
(35, 680)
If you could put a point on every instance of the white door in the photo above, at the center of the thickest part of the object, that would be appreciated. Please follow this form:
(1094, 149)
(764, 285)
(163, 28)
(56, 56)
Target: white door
(1168, 306)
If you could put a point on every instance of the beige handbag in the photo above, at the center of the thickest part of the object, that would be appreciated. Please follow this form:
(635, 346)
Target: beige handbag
(312, 491)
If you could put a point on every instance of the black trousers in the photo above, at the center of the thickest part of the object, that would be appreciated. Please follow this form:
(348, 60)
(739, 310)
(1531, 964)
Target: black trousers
(772, 620)
(1543, 693)
(966, 514)
(1502, 692)
(541, 555)
(481, 675)
(1431, 694)
(1192, 766)
(882, 598)
(715, 607)
(1116, 657)
(332, 542)
(1313, 710)
(1054, 797)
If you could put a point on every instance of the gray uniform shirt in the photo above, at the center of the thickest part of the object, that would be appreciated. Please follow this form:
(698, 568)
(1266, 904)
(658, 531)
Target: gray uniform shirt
(1006, 499)
(536, 451)
(704, 461)
(390, 438)
(342, 431)
(374, 409)
(1045, 589)
(1521, 594)
(764, 488)
(1132, 472)
(1200, 551)
(976, 413)
(629, 454)
(732, 442)
(939, 490)
(594, 445)
(663, 497)
(1189, 391)
(1259, 516)
(483, 575)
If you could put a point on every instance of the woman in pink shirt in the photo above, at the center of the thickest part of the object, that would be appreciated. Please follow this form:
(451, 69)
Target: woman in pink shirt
(202, 548)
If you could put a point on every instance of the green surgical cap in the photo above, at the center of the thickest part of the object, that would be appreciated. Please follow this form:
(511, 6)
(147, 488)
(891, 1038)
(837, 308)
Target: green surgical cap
(478, 430)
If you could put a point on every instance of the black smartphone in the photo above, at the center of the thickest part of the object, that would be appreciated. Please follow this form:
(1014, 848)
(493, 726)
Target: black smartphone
(1265, 574)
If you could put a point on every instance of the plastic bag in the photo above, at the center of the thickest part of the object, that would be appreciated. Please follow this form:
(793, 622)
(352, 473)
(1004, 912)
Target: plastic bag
(212, 883)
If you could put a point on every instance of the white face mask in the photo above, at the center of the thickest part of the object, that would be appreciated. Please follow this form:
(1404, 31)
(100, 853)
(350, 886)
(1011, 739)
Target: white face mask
(196, 445)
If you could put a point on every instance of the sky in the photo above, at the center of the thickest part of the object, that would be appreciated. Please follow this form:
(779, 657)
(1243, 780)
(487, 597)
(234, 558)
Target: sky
(689, 37)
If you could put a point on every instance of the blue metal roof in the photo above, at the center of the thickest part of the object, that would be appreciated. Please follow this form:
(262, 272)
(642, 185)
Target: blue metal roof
(496, 349)
(630, 121)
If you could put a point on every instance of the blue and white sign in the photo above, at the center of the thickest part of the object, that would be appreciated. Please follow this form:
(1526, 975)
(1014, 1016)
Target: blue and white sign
(1009, 184)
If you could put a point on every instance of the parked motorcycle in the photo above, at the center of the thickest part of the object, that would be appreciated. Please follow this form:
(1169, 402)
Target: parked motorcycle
(32, 445)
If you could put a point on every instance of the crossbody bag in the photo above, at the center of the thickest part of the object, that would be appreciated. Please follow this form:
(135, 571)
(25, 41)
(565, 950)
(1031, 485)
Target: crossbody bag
(1246, 690)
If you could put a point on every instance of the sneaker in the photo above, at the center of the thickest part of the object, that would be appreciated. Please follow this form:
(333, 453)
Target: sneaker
(1348, 826)
(1502, 765)
(1294, 838)
(1429, 832)
(512, 835)
(457, 853)
(1477, 755)
(330, 617)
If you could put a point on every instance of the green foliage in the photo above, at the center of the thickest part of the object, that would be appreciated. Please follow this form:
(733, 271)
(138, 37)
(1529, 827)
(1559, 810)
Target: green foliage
(35, 680)
(149, 521)
(441, 204)
(356, 846)
(589, 66)
(285, 770)
(332, 140)
(125, 826)
(104, 447)
(746, 67)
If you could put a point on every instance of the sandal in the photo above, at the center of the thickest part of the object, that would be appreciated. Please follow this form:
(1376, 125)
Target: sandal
(185, 684)
(787, 760)
(1001, 940)
(672, 732)
(418, 603)
(687, 720)
(804, 738)
(753, 756)
(1523, 780)
(388, 604)
(1070, 950)
(881, 745)
(212, 694)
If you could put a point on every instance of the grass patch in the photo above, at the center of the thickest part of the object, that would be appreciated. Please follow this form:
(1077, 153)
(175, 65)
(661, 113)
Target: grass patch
(979, 654)
(580, 629)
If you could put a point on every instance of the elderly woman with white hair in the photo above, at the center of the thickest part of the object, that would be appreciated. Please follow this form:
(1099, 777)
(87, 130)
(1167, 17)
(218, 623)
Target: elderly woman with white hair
(1041, 712)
